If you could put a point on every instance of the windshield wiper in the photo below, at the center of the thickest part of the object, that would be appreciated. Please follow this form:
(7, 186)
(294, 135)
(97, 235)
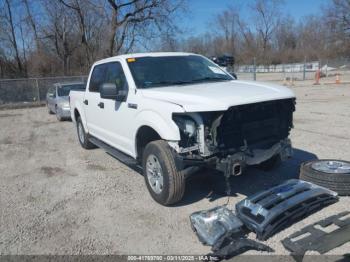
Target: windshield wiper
(166, 83)
(169, 83)
(209, 79)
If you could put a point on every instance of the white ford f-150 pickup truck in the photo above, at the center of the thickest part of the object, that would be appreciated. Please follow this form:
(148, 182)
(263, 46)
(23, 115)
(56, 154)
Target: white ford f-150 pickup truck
(168, 113)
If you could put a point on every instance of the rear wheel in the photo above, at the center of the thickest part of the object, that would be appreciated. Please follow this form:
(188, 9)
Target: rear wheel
(329, 173)
(164, 182)
(83, 136)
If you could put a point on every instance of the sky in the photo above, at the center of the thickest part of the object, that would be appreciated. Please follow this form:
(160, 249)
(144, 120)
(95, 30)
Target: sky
(201, 12)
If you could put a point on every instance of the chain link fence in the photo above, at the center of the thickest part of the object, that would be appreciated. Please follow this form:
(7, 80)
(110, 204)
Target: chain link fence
(295, 71)
(303, 71)
(30, 91)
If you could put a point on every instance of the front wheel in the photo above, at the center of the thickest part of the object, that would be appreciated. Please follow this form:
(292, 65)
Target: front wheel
(164, 182)
(58, 116)
(49, 110)
(83, 136)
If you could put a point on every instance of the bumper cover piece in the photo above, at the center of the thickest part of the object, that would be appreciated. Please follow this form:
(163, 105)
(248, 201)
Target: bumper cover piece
(210, 225)
(238, 246)
(268, 212)
(64, 112)
(317, 239)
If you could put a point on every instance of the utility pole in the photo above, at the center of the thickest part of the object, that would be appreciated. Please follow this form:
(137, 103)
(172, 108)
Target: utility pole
(304, 70)
(254, 68)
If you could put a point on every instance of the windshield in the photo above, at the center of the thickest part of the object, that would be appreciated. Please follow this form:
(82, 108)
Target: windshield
(65, 89)
(174, 70)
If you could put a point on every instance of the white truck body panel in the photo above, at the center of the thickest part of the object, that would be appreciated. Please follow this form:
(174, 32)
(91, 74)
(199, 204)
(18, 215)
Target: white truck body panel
(117, 124)
(217, 96)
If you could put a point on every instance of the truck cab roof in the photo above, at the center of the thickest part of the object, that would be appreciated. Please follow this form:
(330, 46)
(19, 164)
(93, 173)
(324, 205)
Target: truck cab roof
(136, 55)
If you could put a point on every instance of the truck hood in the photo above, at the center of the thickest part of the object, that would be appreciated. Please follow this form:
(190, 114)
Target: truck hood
(218, 96)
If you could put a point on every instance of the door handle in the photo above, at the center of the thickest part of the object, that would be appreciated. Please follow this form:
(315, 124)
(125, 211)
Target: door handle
(86, 102)
(101, 105)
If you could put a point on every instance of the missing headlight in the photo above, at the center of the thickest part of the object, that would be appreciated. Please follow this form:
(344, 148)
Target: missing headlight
(188, 130)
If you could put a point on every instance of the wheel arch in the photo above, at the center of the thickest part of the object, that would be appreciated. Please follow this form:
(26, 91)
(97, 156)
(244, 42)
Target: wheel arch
(144, 135)
(159, 122)
(76, 114)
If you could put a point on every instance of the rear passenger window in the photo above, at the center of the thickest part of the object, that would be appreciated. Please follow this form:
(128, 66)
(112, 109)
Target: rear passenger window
(97, 78)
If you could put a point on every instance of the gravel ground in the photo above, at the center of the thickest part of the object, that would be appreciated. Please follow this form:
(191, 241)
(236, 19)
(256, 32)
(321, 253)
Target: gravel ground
(57, 198)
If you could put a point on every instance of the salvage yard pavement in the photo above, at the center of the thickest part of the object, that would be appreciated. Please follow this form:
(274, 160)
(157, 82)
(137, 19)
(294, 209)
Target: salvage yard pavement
(57, 198)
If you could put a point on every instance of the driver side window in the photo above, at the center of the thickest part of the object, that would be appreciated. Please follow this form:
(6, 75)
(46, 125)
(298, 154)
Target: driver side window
(108, 73)
(52, 92)
(115, 75)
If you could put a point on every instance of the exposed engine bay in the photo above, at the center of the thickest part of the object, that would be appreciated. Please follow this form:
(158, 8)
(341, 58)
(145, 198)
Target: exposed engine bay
(242, 135)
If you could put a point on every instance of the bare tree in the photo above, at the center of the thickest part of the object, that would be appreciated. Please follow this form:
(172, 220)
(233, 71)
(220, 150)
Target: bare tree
(61, 31)
(30, 20)
(266, 15)
(66, 36)
(337, 17)
(90, 20)
(338, 13)
(228, 24)
(285, 42)
(128, 19)
(312, 38)
(12, 35)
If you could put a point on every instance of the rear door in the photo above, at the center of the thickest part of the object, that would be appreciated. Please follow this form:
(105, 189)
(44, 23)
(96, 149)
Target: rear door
(91, 100)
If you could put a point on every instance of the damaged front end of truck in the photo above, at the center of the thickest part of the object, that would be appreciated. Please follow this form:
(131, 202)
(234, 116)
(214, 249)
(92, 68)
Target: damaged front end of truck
(228, 141)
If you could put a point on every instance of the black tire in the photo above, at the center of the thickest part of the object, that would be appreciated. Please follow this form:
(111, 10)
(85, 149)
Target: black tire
(59, 118)
(49, 110)
(337, 182)
(173, 181)
(270, 164)
(84, 139)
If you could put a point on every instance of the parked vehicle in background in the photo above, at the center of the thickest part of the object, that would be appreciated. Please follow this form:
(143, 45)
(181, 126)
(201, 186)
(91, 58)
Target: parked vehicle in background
(170, 112)
(224, 61)
(57, 98)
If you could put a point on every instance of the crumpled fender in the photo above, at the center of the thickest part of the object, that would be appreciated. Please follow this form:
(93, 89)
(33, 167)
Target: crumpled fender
(166, 128)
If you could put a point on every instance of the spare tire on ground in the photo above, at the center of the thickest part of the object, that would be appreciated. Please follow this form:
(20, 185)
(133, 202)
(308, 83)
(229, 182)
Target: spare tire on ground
(330, 173)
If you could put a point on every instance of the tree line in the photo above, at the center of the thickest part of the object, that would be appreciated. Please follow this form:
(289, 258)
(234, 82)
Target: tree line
(64, 37)
(274, 37)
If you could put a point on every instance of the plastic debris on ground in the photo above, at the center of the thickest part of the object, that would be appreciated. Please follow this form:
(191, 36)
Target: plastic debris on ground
(321, 236)
(221, 229)
(212, 224)
(272, 210)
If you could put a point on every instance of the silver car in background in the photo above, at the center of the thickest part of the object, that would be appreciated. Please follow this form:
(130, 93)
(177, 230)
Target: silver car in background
(57, 98)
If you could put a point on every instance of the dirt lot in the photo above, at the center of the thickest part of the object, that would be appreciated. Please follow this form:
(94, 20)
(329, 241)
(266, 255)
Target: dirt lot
(57, 198)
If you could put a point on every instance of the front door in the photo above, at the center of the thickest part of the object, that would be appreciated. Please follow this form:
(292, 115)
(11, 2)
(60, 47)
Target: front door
(112, 119)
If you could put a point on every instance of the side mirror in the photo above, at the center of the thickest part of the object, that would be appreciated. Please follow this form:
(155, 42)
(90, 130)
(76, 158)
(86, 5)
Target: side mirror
(111, 91)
